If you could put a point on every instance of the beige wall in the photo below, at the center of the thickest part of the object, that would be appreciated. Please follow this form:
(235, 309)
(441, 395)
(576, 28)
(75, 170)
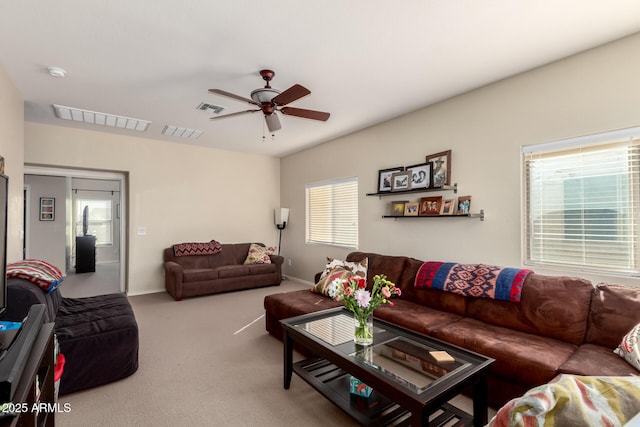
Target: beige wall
(592, 92)
(178, 192)
(47, 239)
(11, 148)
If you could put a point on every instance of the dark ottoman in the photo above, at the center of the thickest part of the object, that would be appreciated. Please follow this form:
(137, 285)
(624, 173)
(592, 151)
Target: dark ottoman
(99, 339)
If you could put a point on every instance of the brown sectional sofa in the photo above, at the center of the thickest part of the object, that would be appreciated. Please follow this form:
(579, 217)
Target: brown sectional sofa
(561, 325)
(193, 275)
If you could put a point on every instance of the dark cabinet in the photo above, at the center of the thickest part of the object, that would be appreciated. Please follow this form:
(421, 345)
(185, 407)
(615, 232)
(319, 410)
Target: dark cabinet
(85, 254)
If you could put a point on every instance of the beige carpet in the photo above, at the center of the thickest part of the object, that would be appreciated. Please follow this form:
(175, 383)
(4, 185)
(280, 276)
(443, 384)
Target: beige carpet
(105, 280)
(205, 361)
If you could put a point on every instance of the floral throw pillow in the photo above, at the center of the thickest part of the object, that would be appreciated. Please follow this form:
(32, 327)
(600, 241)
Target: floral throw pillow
(358, 268)
(324, 284)
(259, 254)
(629, 348)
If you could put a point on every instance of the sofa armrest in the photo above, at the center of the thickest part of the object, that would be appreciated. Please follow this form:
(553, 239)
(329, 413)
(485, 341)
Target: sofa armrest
(173, 279)
(277, 260)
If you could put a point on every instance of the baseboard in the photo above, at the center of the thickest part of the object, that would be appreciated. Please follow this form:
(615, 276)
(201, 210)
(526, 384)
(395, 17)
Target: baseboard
(152, 291)
(297, 280)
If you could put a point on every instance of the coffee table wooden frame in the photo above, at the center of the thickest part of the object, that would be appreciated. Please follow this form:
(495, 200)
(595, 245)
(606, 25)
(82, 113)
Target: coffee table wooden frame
(329, 370)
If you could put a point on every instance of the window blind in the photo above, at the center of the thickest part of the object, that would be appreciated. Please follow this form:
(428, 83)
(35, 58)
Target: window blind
(332, 212)
(582, 206)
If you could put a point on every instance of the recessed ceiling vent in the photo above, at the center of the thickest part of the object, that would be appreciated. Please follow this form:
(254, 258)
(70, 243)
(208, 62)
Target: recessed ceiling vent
(181, 132)
(103, 119)
(210, 108)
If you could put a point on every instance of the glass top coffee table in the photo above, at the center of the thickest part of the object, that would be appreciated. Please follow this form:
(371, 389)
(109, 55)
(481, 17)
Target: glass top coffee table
(413, 376)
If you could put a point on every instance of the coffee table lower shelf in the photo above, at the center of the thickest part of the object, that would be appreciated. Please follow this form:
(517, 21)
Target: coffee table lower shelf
(376, 410)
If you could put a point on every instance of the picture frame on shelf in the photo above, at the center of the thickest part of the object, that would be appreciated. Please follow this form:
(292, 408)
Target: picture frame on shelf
(384, 178)
(448, 207)
(464, 205)
(411, 209)
(421, 175)
(430, 206)
(401, 181)
(397, 207)
(47, 209)
(441, 172)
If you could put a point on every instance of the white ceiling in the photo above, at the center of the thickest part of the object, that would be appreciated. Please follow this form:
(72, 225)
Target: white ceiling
(365, 61)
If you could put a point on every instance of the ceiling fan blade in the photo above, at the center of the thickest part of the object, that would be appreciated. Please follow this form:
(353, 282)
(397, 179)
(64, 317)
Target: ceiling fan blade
(234, 114)
(273, 122)
(233, 95)
(293, 93)
(307, 114)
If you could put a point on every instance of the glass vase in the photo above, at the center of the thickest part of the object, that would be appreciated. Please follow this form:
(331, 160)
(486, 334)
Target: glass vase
(363, 334)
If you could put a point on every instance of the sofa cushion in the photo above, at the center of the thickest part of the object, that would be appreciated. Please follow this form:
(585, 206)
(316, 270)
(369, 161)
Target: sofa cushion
(261, 268)
(629, 347)
(574, 401)
(228, 271)
(259, 254)
(359, 268)
(414, 316)
(525, 358)
(338, 273)
(551, 306)
(390, 266)
(615, 309)
(591, 359)
(199, 274)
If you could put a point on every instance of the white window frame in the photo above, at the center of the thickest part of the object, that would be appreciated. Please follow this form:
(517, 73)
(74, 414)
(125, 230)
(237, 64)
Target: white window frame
(341, 229)
(625, 240)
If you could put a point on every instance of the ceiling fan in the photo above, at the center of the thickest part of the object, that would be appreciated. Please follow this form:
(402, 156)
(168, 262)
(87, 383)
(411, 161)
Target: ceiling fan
(269, 101)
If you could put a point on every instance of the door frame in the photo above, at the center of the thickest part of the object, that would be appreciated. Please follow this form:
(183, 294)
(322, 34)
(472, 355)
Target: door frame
(122, 177)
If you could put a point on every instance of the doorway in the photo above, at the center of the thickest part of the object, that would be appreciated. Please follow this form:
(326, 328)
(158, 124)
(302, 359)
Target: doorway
(101, 194)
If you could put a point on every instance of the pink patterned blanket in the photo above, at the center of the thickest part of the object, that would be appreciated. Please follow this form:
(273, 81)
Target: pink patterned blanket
(476, 280)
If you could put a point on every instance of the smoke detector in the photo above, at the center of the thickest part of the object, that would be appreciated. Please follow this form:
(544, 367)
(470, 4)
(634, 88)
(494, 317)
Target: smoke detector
(56, 72)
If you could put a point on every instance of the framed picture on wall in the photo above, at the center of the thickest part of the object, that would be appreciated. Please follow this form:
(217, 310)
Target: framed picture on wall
(47, 209)
(420, 175)
(384, 178)
(448, 207)
(441, 168)
(401, 181)
(411, 209)
(430, 206)
(397, 207)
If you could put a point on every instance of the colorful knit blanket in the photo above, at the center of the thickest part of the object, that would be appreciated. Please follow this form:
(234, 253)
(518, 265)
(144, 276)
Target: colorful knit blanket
(206, 248)
(476, 280)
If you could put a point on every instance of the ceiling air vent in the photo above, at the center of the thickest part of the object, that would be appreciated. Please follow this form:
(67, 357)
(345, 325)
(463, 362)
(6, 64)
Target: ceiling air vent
(210, 108)
(181, 132)
(96, 118)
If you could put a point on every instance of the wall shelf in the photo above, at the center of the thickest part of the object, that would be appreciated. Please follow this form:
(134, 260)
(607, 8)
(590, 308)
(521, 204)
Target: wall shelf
(471, 215)
(453, 188)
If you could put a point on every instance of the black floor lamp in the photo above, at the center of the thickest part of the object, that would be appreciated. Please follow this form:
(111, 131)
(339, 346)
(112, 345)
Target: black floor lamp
(281, 219)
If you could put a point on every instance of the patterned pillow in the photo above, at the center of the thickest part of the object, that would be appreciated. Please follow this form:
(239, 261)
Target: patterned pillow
(359, 268)
(574, 401)
(340, 273)
(629, 348)
(46, 276)
(259, 254)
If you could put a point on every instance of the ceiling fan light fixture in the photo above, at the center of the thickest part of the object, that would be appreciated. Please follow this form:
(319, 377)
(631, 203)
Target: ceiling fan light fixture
(263, 95)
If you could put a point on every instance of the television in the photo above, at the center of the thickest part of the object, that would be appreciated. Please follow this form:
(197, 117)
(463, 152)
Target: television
(4, 188)
(85, 221)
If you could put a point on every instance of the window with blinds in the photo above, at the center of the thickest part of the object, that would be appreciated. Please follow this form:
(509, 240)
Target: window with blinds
(332, 213)
(582, 202)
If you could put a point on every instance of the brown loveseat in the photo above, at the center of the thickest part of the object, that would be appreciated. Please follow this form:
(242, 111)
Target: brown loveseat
(192, 275)
(561, 324)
